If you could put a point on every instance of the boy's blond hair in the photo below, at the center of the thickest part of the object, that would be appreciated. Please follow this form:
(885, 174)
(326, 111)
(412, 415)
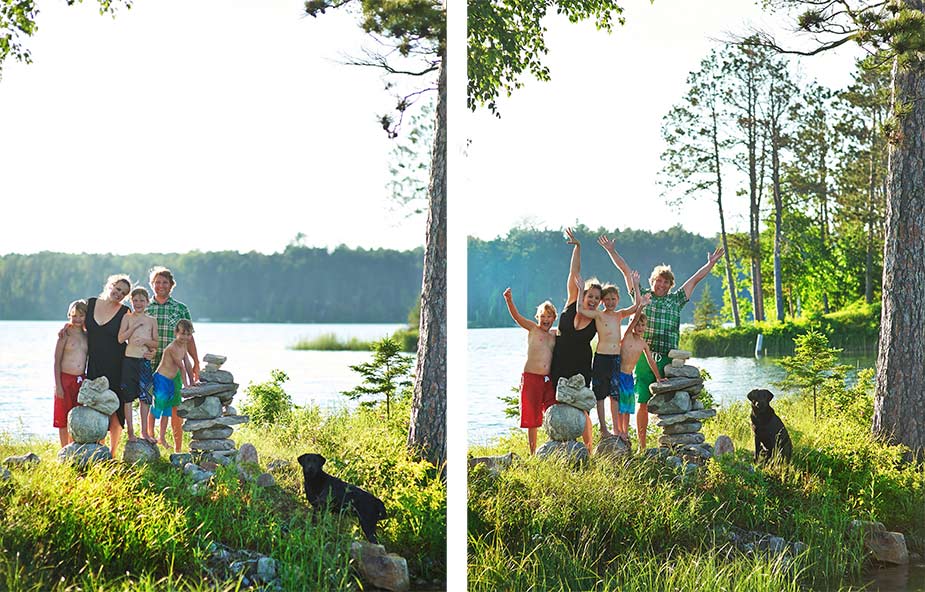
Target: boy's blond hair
(546, 307)
(610, 288)
(641, 318)
(79, 305)
(184, 324)
(141, 291)
(662, 271)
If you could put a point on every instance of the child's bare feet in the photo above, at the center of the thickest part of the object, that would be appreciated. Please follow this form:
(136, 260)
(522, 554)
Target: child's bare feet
(149, 438)
(163, 442)
(605, 433)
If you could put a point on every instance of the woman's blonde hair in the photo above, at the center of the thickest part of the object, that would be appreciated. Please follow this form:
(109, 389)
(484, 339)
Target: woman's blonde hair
(112, 281)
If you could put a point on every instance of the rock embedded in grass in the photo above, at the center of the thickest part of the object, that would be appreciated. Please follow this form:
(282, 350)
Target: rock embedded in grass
(614, 447)
(83, 454)
(378, 568)
(575, 452)
(23, 460)
(680, 439)
(140, 451)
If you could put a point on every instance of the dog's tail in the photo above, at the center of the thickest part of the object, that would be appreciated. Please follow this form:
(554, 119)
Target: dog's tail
(381, 510)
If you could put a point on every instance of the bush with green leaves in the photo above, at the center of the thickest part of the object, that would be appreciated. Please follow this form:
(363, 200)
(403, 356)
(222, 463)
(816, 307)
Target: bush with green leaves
(267, 403)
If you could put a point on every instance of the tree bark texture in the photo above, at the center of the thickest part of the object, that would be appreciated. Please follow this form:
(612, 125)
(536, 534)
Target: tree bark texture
(899, 401)
(427, 432)
(730, 277)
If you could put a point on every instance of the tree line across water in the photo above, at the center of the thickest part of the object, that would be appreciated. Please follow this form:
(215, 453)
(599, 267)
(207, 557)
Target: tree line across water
(298, 285)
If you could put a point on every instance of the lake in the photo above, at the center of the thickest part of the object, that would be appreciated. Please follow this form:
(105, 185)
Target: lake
(496, 361)
(27, 361)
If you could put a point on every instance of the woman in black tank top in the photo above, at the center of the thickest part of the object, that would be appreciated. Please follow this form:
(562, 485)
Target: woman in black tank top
(572, 353)
(104, 352)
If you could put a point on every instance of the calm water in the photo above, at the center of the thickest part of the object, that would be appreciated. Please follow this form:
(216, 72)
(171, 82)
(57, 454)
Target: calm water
(27, 357)
(496, 361)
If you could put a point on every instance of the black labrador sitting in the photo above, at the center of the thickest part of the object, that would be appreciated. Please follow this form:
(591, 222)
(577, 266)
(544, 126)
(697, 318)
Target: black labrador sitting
(326, 491)
(770, 433)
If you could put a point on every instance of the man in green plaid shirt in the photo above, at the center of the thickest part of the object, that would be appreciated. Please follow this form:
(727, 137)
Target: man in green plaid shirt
(663, 330)
(167, 312)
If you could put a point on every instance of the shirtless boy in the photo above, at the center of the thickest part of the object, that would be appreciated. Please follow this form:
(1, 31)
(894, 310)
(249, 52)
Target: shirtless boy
(536, 389)
(166, 397)
(631, 348)
(70, 366)
(605, 371)
(140, 332)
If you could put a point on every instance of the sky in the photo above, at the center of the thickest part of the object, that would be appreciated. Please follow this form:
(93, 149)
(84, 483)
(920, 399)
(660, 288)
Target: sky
(202, 125)
(584, 147)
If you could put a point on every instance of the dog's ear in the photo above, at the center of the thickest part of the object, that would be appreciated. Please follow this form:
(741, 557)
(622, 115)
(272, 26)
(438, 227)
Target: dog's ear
(303, 459)
(321, 461)
(770, 395)
(752, 394)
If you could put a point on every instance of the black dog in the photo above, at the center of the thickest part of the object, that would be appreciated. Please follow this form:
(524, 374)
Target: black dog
(326, 491)
(770, 433)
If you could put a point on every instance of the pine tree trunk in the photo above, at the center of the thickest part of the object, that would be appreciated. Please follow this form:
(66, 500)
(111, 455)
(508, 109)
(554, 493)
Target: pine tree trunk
(899, 401)
(871, 192)
(730, 277)
(427, 432)
(778, 221)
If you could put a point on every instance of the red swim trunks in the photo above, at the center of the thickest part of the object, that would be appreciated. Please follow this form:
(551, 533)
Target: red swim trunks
(536, 391)
(71, 386)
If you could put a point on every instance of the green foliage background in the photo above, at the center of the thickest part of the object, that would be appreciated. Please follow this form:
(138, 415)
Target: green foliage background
(298, 285)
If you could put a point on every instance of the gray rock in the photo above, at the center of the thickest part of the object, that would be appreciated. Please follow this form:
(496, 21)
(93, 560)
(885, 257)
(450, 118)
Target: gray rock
(687, 427)
(210, 368)
(266, 568)
(200, 408)
(494, 464)
(229, 410)
(195, 425)
(197, 473)
(213, 433)
(199, 487)
(660, 453)
(564, 422)
(279, 464)
(84, 454)
(671, 419)
(690, 469)
(883, 546)
(674, 384)
(180, 459)
(574, 451)
(674, 461)
(702, 450)
(215, 359)
(247, 453)
(219, 376)
(23, 460)
(5, 474)
(773, 544)
(378, 569)
(572, 391)
(695, 389)
(724, 446)
(140, 451)
(210, 445)
(696, 405)
(226, 398)
(798, 547)
(266, 480)
(87, 425)
(701, 414)
(682, 372)
(95, 394)
(613, 446)
(670, 403)
(679, 354)
(208, 389)
(680, 439)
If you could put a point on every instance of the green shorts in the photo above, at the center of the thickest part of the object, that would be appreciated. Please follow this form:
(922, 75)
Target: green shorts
(644, 376)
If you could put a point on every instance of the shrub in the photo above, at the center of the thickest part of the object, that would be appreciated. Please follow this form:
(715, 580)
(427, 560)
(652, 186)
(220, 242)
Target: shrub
(267, 402)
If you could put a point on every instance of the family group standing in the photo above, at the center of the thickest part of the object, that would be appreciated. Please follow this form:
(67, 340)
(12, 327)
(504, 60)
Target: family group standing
(623, 367)
(103, 337)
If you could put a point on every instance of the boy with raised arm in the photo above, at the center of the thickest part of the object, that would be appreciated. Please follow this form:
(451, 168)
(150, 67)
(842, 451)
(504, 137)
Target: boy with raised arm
(632, 346)
(605, 371)
(70, 366)
(536, 389)
(166, 397)
(140, 332)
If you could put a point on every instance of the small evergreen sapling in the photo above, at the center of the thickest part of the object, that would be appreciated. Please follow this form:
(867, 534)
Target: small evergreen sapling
(813, 364)
(387, 374)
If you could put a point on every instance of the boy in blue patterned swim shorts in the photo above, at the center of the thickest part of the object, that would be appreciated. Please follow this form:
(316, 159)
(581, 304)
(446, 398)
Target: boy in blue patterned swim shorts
(166, 396)
(632, 346)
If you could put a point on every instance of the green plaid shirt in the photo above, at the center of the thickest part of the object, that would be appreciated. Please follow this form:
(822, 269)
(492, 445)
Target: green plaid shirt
(663, 316)
(167, 315)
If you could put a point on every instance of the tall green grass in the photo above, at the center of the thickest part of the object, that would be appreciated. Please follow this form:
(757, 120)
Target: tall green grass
(638, 524)
(331, 342)
(117, 527)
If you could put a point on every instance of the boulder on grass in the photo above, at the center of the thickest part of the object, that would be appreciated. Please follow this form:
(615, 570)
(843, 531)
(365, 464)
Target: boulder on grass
(84, 454)
(379, 569)
(140, 451)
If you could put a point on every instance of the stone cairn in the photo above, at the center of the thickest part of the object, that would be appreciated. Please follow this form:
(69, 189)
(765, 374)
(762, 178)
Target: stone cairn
(208, 414)
(679, 413)
(565, 420)
(88, 423)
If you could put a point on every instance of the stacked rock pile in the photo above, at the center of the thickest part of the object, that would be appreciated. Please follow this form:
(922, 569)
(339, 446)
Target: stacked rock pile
(88, 423)
(565, 421)
(208, 413)
(678, 411)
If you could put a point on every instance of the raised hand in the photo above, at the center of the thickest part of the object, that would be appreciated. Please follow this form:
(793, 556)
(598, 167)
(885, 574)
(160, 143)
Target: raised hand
(716, 256)
(645, 299)
(507, 295)
(635, 277)
(571, 237)
(605, 242)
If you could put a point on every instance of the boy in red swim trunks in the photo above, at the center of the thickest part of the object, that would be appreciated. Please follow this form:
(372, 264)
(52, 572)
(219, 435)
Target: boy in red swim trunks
(70, 366)
(536, 389)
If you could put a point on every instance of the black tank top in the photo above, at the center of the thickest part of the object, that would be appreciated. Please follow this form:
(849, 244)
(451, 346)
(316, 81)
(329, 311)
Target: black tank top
(104, 351)
(572, 353)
